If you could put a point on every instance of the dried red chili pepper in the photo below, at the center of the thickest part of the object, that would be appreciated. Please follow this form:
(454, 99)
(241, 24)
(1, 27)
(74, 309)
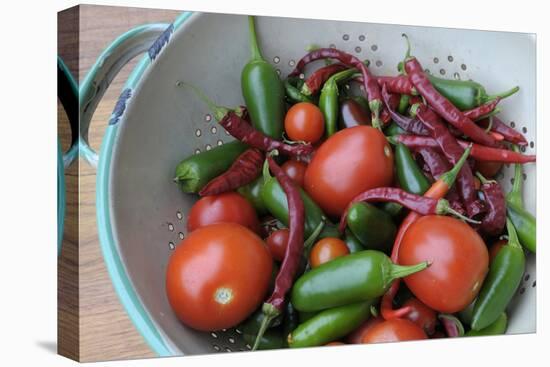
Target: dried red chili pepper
(315, 81)
(409, 124)
(246, 168)
(443, 106)
(483, 110)
(479, 152)
(507, 132)
(420, 204)
(400, 84)
(369, 81)
(293, 255)
(436, 163)
(494, 220)
(452, 151)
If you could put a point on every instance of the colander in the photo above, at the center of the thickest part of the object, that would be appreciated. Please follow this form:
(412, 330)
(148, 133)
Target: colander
(141, 213)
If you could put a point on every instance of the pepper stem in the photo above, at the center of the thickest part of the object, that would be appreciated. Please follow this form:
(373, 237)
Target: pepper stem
(514, 196)
(255, 52)
(265, 171)
(401, 271)
(375, 106)
(218, 111)
(313, 236)
(513, 239)
(490, 126)
(483, 179)
(494, 112)
(414, 109)
(453, 326)
(270, 312)
(408, 53)
(449, 177)
(393, 139)
(502, 95)
(443, 207)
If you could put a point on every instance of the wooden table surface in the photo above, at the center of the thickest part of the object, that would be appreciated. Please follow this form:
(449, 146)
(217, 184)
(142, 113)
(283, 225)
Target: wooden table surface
(94, 321)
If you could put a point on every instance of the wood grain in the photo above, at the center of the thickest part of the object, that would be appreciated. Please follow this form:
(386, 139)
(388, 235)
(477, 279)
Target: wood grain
(92, 323)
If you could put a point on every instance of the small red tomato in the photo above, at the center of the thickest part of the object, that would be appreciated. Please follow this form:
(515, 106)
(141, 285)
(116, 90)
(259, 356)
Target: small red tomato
(349, 162)
(495, 248)
(327, 249)
(394, 330)
(488, 169)
(421, 315)
(228, 207)
(218, 276)
(357, 335)
(304, 122)
(277, 243)
(458, 261)
(295, 170)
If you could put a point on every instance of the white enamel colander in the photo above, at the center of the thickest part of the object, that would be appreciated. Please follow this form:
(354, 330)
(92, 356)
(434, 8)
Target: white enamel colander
(141, 213)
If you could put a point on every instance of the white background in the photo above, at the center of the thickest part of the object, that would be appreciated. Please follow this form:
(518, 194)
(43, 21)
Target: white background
(28, 181)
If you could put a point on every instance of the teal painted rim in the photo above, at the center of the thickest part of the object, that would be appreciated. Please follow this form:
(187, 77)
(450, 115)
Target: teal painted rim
(110, 249)
(60, 198)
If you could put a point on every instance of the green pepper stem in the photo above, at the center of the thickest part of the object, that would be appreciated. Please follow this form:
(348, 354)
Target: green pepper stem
(393, 139)
(513, 239)
(483, 179)
(490, 126)
(494, 112)
(414, 109)
(341, 76)
(401, 271)
(514, 196)
(455, 320)
(313, 236)
(375, 106)
(408, 53)
(255, 52)
(502, 95)
(449, 210)
(218, 111)
(265, 171)
(270, 313)
(449, 177)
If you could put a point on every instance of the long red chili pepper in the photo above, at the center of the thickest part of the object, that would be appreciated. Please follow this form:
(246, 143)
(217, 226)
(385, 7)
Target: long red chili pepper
(421, 204)
(243, 131)
(283, 282)
(246, 168)
(479, 152)
(315, 81)
(438, 190)
(443, 106)
(409, 124)
(400, 84)
(369, 81)
(483, 110)
(436, 163)
(494, 220)
(452, 151)
(507, 132)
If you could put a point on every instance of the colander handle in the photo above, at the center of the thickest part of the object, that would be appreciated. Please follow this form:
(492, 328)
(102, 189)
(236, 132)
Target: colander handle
(123, 49)
(67, 92)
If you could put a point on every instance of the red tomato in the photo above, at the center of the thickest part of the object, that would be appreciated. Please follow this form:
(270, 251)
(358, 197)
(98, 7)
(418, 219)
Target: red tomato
(394, 330)
(295, 170)
(229, 207)
(349, 162)
(495, 248)
(459, 262)
(327, 249)
(218, 276)
(277, 243)
(304, 121)
(421, 315)
(356, 336)
(488, 169)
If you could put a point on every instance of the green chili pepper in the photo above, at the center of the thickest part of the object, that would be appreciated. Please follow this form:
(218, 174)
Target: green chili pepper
(524, 222)
(252, 324)
(348, 279)
(373, 227)
(354, 245)
(304, 316)
(263, 90)
(466, 94)
(194, 172)
(403, 104)
(328, 100)
(394, 129)
(291, 320)
(293, 93)
(330, 325)
(504, 278)
(275, 201)
(252, 193)
(496, 328)
(410, 176)
(271, 339)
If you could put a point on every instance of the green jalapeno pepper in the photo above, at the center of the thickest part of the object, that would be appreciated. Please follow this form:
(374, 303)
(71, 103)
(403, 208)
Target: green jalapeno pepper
(292, 92)
(410, 176)
(304, 316)
(393, 129)
(504, 278)
(252, 193)
(330, 325)
(373, 227)
(354, 245)
(466, 94)
(275, 201)
(348, 279)
(403, 104)
(524, 222)
(498, 327)
(328, 100)
(194, 172)
(271, 339)
(263, 90)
